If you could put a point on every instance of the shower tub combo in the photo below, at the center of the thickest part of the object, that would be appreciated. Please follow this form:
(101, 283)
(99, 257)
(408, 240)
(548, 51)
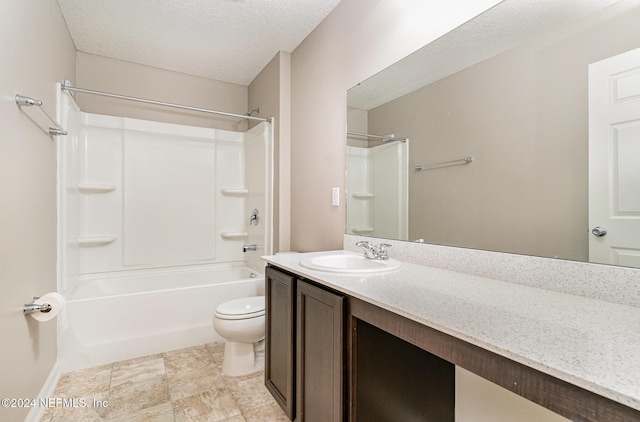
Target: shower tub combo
(154, 231)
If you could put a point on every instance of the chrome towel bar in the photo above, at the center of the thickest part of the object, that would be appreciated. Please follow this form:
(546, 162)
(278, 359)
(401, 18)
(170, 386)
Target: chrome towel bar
(23, 101)
(465, 160)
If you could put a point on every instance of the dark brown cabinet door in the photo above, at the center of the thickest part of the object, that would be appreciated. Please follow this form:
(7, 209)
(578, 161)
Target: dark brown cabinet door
(280, 338)
(320, 355)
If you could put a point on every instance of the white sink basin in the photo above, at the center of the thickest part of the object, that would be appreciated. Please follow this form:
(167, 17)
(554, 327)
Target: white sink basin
(349, 263)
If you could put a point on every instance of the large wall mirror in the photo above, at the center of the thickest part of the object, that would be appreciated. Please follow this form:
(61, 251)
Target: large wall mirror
(481, 139)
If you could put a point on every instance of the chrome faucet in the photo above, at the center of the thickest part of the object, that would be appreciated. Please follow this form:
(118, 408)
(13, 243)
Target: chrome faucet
(371, 252)
(382, 251)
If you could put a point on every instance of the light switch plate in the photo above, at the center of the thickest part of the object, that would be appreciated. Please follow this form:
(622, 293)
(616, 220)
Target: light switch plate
(335, 197)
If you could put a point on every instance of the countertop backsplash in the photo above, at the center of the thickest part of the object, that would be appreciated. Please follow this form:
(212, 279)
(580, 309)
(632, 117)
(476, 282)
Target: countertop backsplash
(603, 282)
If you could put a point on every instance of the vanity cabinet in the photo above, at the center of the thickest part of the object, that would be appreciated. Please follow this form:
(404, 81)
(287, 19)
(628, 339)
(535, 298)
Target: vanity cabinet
(347, 349)
(304, 348)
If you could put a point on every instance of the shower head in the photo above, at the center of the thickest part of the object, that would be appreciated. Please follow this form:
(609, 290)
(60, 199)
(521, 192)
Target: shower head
(257, 110)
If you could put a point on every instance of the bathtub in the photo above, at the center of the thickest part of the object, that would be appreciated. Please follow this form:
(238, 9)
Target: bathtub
(123, 316)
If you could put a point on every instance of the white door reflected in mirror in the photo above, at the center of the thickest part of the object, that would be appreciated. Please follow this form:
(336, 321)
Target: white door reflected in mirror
(614, 148)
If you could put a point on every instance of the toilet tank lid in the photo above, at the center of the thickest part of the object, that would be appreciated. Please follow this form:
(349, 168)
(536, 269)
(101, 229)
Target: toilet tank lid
(243, 306)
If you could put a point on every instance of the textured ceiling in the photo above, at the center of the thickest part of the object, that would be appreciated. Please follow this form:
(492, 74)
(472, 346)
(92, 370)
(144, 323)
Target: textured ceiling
(506, 25)
(227, 40)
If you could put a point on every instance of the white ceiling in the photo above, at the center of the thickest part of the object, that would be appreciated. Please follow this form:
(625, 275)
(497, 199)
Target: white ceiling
(226, 40)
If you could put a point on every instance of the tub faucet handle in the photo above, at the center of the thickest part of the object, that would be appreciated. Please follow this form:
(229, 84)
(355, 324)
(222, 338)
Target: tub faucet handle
(255, 218)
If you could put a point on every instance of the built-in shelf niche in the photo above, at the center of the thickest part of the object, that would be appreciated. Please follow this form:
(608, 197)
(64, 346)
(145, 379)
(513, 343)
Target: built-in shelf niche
(233, 235)
(90, 241)
(361, 230)
(362, 195)
(95, 188)
(234, 191)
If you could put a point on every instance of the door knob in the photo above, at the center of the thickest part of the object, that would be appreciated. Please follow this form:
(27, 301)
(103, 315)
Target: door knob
(599, 231)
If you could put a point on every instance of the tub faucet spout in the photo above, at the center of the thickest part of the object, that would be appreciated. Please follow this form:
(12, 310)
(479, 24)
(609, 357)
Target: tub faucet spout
(246, 248)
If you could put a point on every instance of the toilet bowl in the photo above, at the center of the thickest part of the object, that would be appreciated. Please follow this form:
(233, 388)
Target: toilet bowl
(241, 323)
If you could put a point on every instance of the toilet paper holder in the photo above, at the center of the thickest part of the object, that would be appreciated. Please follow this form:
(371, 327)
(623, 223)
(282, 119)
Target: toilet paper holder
(30, 308)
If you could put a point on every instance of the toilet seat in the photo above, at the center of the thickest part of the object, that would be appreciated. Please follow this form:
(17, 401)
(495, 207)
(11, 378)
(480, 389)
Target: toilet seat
(244, 308)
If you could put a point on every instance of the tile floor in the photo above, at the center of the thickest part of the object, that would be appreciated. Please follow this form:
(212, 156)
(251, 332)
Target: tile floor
(182, 385)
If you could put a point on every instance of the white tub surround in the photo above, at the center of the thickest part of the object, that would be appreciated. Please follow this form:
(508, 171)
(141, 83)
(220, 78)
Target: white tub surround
(139, 194)
(377, 190)
(153, 220)
(586, 342)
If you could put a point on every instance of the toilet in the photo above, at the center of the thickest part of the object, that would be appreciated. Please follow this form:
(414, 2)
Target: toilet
(241, 323)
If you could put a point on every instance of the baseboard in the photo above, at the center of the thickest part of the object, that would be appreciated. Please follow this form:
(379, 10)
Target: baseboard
(47, 390)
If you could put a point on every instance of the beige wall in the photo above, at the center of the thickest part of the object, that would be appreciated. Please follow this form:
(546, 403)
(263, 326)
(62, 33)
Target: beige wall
(358, 39)
(357, 121)
(478, 400)
(523, 116)
(36, 52)
(135, 80)
(271, 91)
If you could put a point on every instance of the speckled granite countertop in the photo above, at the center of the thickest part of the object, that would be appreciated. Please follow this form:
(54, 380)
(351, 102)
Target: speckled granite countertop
(590, 343)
